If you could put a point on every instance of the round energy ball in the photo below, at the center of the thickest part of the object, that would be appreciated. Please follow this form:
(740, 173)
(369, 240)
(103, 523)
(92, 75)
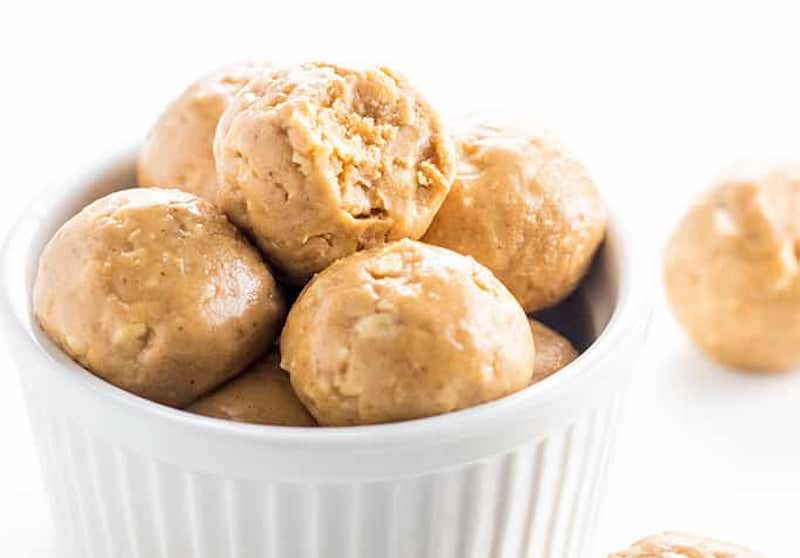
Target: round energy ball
(262, 395)
(156, 292)
(318, 161)
(403, 331)
(683, 545)
(524, 208)
(178, 152)
(553, 351)
(732, 273)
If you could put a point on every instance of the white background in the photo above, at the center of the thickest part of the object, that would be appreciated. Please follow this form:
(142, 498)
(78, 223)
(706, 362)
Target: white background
(656, 98)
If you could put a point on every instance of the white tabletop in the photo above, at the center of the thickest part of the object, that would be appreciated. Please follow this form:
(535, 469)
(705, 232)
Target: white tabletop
(655, 98)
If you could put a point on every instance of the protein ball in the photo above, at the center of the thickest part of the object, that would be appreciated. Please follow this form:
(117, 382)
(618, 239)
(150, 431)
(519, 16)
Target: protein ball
(156, 292)
(178, 152)
(262, 395)
(682, 545)
(524, 208)
(403, 331)
(318, 161)
(732, 273)
(553, 351)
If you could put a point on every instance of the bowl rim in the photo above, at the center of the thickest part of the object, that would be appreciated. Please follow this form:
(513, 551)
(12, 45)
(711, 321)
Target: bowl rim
(630, 309)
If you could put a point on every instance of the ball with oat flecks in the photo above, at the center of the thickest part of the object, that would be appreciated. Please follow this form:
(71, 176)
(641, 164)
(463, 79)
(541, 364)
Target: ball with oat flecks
(156, 292)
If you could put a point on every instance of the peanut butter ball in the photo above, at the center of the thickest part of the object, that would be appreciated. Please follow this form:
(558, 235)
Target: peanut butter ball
(682, 545)
(156, 292)
(262, 395)
(732, 273)
(178, 152)
(318, 161)
(524, 208)
(403, 331)
(553, 351)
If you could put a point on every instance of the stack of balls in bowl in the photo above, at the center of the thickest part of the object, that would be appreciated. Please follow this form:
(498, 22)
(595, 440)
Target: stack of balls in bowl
(420, 252)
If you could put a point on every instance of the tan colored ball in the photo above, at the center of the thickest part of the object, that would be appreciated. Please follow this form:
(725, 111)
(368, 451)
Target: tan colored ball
(262, 394)
(683, 545)
(404, 331)
(553, 351)
(732, 274)
(524, 208)
(178, 151)
(156, 292)
(318, 161)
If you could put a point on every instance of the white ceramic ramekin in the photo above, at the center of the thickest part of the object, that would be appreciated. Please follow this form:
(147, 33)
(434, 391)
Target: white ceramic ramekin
(518, 477)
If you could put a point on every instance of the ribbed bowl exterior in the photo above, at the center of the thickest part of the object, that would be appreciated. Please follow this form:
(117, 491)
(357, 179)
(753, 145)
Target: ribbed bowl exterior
(538, 501)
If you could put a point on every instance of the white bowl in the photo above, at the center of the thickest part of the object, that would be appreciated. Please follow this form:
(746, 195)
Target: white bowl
(521, 476)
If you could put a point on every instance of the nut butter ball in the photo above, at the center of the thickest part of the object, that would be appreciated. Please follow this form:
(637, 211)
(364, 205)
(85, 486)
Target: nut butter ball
(732, 272)
(682, 545)
(156, 292)
(403, 331)
(178, 151)
(522, 207)
(553, 351)
(318, 161)
(261, 395)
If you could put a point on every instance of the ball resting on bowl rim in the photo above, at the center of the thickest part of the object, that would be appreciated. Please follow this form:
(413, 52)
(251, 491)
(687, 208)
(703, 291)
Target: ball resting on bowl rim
(156, 292)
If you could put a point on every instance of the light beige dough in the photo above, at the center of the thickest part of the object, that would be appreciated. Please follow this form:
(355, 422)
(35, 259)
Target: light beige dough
(262, 394)
(156, 292)
(553, 351)
(318, 161)
(731, 270)
(682, 545)
(403, 331)
(524, 208)
(178, 151)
